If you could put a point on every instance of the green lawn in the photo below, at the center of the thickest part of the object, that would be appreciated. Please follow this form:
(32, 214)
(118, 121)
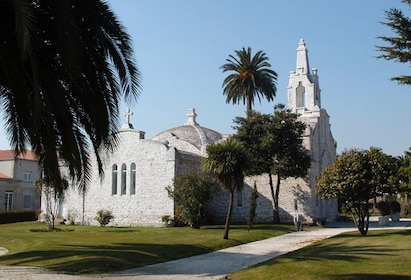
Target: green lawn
(86, 249)
(380, 255)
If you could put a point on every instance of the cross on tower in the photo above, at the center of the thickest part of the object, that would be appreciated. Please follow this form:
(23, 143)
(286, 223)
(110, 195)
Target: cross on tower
(128, 114)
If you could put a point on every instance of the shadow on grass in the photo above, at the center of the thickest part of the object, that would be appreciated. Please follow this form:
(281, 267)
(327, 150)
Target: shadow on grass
(101, 259)
(370, 277)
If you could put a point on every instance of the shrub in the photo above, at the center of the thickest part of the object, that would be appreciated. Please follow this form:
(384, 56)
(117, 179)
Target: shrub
(253, 206)
(104, 217)
(7, 217)
(191, 193)
(384, 208)
(395, 207)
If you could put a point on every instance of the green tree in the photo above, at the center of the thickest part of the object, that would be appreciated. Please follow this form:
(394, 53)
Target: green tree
(353, 180)
(274, 144)
(399, 46)
(52, 197)
(404, 176)
(249, 77)
(191, 192)
(253, 207)
(227, 161)
(64, 65)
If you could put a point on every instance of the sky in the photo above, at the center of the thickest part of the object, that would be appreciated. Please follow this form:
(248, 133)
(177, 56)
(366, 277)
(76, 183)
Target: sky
(180, 45)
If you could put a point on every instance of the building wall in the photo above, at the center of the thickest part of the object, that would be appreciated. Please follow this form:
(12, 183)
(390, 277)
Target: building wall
(154, 172)
(23, 189)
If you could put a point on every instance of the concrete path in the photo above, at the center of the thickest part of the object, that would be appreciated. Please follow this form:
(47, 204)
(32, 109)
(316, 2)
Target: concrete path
(213, 265)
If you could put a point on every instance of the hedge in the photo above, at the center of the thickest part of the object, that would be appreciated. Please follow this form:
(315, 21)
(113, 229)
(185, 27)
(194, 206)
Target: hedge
(7, 217)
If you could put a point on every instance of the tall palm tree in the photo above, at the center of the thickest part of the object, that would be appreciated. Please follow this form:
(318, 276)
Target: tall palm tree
(64, 65)
(250, 77)
(227, 161)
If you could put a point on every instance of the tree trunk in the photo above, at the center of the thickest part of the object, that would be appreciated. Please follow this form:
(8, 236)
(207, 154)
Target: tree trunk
(276, 208)
(249, 105)
(274, 196)
(228, 218)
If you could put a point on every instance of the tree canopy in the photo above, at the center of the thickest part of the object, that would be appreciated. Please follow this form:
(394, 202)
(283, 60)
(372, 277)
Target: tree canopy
(227, 161)
(64, 65)
(398, 47)
(354, 178)
(249, 78)
(274, 143)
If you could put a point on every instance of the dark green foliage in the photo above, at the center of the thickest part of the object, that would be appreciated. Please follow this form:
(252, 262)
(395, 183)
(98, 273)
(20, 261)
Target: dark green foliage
(253, 206)
(384, 208)
(399, 46)
(249, 77)
(7, 217)
(355, 177)
(274, 144)
(191, 193)
(104, 217)
(395, 207)
(65, 65)
(228, 161)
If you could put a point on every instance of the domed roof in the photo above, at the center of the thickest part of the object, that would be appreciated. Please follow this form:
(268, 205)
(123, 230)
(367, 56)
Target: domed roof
(190, 137)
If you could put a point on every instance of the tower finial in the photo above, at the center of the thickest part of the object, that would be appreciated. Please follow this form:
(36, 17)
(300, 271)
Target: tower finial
(302, 58)
(191, 117)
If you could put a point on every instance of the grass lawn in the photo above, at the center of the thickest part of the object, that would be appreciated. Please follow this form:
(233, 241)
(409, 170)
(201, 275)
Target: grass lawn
(380, 255)
(86, 249)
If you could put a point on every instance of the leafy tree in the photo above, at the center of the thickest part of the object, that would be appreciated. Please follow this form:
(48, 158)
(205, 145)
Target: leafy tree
(385, 170)
(191, 192)
(64, 67)
(253, 206)
(399, 46)
(404, 173)
(249, 77)
(275, 147)
(354, 180)
(52, 196)
(227, 161)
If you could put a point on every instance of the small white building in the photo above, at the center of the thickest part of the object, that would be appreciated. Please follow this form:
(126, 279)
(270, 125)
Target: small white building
(138, 172)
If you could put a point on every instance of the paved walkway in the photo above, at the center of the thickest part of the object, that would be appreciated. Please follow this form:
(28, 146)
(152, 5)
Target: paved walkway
(213, 265)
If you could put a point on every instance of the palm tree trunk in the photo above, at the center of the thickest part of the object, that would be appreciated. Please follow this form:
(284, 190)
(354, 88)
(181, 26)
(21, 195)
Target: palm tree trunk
(228, 218)
(249, 105)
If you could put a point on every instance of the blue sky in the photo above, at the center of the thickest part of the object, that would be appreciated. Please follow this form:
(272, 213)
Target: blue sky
(180, 45)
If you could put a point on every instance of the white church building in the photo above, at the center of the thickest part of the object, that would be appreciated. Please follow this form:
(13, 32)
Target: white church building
(139, 170)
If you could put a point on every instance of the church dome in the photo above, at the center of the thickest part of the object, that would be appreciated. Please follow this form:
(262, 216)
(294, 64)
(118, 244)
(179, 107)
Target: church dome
(190, 137)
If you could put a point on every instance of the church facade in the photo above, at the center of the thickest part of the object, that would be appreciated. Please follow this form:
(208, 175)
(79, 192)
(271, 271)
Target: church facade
(138, 172)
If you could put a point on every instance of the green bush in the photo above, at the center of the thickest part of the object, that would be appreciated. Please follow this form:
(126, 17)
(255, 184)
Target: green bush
(395, 207)
(384, 208)
(191, 193)
(7, 217)
(104, 217)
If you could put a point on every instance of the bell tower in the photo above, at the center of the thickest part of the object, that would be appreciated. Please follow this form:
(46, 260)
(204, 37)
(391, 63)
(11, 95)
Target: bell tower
(303, 86)
(304, 99)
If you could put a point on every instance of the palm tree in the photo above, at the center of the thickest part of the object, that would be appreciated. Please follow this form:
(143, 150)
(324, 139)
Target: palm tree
(227, 161)
(64, 65)
(249, 78)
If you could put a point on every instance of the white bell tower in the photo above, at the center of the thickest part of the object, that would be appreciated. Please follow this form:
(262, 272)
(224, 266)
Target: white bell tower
(303, 87)
(304, 99)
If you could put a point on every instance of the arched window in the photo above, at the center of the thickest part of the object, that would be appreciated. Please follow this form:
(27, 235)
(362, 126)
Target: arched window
(301, 98)
(114, 179)
(123, 178)
(133, 178)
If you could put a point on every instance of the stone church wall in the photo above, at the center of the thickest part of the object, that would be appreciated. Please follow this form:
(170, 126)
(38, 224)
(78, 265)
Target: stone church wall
(154, 171)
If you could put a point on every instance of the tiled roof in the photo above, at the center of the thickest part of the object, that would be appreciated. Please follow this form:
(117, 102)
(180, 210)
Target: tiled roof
(9, 155)
(4, 176)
